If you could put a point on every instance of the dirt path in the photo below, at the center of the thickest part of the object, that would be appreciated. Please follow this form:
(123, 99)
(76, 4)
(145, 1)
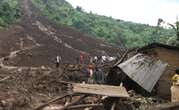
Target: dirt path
(12, 55)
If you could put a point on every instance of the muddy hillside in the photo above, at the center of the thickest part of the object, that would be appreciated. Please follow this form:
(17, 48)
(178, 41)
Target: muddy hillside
(34, 41)
(27, 59)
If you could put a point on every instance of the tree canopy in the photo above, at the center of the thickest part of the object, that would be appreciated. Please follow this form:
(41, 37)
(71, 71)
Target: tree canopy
(9, 12)
(114, 31)
(111, 30)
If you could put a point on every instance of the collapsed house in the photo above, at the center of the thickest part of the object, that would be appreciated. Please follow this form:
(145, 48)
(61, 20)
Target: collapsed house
(168, 54)
(152, 67)
(144, 70)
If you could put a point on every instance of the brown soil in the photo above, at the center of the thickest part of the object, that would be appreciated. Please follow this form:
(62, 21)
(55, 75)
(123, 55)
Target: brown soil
(39, 41)
(27, 88)
(27, 54)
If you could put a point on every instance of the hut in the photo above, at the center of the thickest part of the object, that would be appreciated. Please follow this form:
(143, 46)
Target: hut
(169, 55)
(159, 62)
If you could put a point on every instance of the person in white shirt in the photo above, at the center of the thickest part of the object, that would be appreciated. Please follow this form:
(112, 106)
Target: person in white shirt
(58, 60)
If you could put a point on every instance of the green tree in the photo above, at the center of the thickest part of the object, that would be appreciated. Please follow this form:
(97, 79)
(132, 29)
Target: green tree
(108, 29)
(9, 12)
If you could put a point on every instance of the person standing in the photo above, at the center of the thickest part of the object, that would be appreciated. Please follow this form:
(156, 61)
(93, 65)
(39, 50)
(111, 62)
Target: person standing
(90, 70)
(99, 76)
(81, 58)
(175, 87)
(58, 60)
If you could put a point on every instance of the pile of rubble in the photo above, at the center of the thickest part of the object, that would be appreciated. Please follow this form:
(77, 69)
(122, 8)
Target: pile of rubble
(28, 80)
(47, 89)
(129, 85)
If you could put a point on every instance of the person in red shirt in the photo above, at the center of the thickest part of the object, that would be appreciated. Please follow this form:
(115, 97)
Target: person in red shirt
(81, 59)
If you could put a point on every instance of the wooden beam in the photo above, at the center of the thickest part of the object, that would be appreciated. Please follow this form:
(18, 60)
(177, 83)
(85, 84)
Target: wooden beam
(122, 58)
(84, 106)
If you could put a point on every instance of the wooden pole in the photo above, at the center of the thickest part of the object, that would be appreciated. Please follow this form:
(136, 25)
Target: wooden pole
(84, 106)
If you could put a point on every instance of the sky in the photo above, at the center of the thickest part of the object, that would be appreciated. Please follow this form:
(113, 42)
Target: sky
(139, 11)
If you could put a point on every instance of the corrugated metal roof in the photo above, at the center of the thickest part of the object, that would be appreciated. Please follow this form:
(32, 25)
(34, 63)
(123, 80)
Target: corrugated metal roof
(144, 70)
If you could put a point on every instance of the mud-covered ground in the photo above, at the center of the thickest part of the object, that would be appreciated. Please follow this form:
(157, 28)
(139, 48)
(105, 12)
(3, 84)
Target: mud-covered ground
(26, 88)
(28, 77)
(28, 50)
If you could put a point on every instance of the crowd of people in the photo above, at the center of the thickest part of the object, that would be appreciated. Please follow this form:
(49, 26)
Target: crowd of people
(92, 71)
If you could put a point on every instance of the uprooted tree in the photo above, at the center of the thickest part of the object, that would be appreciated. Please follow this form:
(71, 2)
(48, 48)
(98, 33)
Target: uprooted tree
(174, 26)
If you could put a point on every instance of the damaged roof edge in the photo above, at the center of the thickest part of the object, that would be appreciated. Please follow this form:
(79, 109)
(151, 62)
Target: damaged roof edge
(158, 45)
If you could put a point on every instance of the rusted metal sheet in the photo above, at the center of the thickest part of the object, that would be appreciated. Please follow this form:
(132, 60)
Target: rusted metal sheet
(112, 91)
(144, 70)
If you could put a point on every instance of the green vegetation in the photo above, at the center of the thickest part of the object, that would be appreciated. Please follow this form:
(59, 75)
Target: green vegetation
(110, 30)
(9, 12)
